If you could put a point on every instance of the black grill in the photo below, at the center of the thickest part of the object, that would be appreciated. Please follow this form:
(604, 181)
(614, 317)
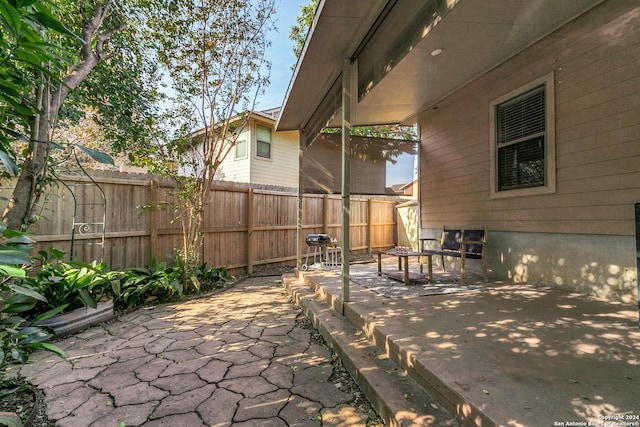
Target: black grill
(317, 239)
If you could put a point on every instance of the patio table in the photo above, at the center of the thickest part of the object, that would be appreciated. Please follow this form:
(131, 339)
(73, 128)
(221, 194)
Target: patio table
(402, 254)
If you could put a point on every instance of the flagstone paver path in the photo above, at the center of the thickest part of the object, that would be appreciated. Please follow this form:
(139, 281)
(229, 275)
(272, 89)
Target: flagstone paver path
(235, 358)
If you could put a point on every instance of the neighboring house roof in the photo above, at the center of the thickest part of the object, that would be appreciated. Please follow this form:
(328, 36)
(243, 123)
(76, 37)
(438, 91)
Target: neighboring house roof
(409, 54)
(270, 115)
(397, 188)
(407, 185)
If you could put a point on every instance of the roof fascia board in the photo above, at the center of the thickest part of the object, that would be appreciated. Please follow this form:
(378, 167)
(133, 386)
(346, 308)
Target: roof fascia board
(350, 48)
(303, 53)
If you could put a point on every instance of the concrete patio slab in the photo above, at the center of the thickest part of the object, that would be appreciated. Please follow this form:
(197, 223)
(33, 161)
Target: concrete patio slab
(509, 354)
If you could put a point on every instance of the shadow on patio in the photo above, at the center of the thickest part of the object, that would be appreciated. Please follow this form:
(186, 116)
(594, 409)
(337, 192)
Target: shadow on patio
(498, 353)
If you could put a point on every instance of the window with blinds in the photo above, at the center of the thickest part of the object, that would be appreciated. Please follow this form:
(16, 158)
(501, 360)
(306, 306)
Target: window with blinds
(263, 142)
(521, 133)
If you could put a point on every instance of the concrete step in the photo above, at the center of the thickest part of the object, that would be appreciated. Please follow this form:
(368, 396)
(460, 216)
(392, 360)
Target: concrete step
(398, 398)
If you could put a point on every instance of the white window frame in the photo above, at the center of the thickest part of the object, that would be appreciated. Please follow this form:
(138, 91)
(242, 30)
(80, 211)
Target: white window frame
(270, 142)
(242, 138)
(550, 141)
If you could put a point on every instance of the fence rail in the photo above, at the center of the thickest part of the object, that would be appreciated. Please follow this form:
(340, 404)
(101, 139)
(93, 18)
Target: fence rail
(245, 228)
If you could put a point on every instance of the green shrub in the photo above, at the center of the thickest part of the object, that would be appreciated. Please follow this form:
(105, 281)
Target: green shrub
(67, 286)
(198, 277)
(15, 248)
(211, 278)
(161, 282)
(158, 282)
(17, 339)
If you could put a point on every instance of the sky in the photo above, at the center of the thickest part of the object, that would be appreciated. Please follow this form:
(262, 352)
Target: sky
(282, 60)
(280, 54)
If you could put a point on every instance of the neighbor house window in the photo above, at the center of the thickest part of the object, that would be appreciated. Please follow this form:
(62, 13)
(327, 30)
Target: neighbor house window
(523, 153)
(263, 148)
(241, 148)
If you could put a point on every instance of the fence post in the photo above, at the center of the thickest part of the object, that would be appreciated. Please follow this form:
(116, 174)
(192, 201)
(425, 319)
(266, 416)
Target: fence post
(250, 226)
(637, 211)
(325, 214)
(370, 224)
(153, 218)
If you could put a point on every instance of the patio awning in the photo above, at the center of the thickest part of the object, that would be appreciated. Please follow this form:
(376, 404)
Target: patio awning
(409, 54)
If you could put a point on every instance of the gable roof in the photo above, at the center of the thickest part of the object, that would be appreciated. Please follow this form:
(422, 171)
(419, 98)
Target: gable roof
(269, 115)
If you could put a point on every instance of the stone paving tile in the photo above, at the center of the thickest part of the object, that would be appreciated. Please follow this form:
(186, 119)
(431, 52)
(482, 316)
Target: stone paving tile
(126, 365)
(93, 361)
(64, 405)
(185, 344)
(185, 365)
(183, 403)
(152, 369)
(113, 382)
(301, 412)
(214, 371)
(263, 350)
(220, 408)
(250, 369)
(123, 329)
(179, 383)
(266, 405)
(158, 345)
(127, 354)
(183, 420)
(233, 358)
(129, 415)
(270, 422)
(237, 357)
(327, 394)
(279, 375)
(93, 409)
(70, 376)
(249, 386)
(64, 390)
(139, 393)
(209, 347)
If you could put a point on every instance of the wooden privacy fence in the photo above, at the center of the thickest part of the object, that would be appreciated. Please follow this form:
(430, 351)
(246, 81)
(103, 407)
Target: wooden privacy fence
(245, 228)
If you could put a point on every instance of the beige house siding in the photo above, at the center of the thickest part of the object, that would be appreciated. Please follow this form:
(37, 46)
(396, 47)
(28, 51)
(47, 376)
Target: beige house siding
(237, 169)
(595, 63)
(282, 168)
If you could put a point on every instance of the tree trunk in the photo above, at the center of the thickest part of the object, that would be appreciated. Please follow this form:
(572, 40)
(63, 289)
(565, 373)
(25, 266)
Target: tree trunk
(19, 212)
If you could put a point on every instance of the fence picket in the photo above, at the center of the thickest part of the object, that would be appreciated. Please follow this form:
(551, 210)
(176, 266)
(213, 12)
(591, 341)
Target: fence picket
(244, 227)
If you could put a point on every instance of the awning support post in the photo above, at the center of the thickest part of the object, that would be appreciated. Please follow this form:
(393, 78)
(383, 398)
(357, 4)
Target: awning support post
(299, 209)
(346, 176)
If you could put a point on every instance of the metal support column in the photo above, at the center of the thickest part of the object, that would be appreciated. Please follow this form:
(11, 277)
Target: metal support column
(300, 192)
(346, 176)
